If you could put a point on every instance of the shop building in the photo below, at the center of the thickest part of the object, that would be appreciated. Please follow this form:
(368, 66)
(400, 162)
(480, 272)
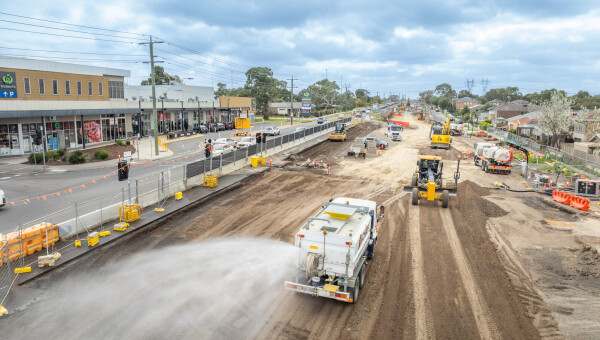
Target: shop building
(74, 105)
(237, 107)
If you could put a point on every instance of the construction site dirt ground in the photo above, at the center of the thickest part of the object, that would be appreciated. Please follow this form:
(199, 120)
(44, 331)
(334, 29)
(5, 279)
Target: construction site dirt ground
(495, 264)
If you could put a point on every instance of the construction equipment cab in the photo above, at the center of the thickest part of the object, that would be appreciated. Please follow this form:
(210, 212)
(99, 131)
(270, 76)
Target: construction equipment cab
(339, 133)
(334, 247)
(440, 135)
(394, 132)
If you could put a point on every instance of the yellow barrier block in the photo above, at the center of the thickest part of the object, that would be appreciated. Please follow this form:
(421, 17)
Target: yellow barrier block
(121, 226)
(22, 270)
(77, 243)
(104, 233)
(3, 311)
(159, 210)
(211, 181)
(178, 196)
(262, 160)
(92, 239)
(130, 213)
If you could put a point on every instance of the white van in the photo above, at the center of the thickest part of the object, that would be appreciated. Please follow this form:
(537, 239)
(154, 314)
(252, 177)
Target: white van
(2, 199)
(394, 132)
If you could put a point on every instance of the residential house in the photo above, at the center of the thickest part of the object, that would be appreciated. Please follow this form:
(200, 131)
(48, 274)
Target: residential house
(496, 102)
(285, 108)
(587, 125)
(464, 102)
(516, 108)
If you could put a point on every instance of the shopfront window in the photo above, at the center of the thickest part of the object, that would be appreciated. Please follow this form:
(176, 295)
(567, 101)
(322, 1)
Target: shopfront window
(9, 139)
(92, 132)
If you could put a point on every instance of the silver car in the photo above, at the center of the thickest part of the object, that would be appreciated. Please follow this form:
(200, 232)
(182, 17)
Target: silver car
(271, 131)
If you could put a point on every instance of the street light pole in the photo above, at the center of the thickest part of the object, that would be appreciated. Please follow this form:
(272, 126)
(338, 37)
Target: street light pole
(228, 111)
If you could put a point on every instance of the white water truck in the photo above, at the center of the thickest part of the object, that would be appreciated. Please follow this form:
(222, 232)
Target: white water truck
(335, 245)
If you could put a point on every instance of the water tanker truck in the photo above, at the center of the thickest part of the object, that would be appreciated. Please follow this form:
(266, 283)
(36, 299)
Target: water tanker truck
(334, 247)
(493, 158)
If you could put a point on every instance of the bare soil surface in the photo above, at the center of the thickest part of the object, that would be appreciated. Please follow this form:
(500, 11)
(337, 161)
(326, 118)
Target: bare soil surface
(486, 267)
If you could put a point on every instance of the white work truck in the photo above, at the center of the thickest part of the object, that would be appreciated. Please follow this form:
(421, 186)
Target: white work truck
(394, 132)
(334, 247)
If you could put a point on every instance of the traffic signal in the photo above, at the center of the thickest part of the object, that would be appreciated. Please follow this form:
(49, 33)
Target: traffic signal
(258, 138)
(264, 138)
(38, 137)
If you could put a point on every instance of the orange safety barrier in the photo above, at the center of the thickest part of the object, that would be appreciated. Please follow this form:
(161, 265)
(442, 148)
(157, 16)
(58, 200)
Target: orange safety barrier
(17, 244)
(562, 197)
(580, 203)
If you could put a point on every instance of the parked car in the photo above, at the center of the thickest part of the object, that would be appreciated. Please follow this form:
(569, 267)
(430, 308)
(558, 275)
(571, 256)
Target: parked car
(2, 199)
(226, 141)
(271, 131)
(321, 120)
(221, 126)
(246, 142)
(378, 142)
(221, 149)
(229, 125)
(201, 129)
(300, 129)
(213, 127)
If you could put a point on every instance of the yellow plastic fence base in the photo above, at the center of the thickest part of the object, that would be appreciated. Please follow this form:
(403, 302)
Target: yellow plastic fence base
(3, 311)
(77, 243)
(121, 226)
(130, 213)
(92, 239)
(104, 233)
(211, 181)
(159, 210)
(22, 270)
(178, 196)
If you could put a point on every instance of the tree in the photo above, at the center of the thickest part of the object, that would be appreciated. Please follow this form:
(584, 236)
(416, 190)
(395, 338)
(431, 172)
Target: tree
(161, 77)
(445, 103)
(347, 100)
(394, 98)
(555, 119)
(445, 90)
(261, 85)
(324, 93)
(427, 95)
(507, 94)
(465, 110)
(222, 90)
(465, 93)
(362, 94)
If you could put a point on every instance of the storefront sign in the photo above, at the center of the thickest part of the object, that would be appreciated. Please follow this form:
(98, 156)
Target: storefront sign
(306, 102)
(8, 85)
(13, 128)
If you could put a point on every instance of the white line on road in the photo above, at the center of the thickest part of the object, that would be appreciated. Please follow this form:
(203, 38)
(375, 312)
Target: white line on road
(6, 178)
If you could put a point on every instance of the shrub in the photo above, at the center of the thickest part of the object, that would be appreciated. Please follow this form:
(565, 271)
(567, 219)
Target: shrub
(37, 158)
(101, 154)
(61, 152)
(53, 155)
(119, 142)
(128, 142)
(77, 157)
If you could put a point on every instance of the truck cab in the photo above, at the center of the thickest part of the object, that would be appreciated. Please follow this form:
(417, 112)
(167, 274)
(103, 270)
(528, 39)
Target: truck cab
(394, 132)
(334, 246)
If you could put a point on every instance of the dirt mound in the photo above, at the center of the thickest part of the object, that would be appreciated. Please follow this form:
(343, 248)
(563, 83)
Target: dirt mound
(451, 154)
(471, 189)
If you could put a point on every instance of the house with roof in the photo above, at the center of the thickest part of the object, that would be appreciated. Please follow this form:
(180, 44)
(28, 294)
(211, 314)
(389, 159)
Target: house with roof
(496, 102)
(512, 109)
(587, 126)
(464, 102)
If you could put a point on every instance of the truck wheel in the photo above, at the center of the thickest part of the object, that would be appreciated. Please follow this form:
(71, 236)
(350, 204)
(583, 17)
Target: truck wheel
(483, 165)
(475, 160)
(445, 198)
(356, 290)
(413, 182)
(415, 196)
(486, 168)
(362, 276)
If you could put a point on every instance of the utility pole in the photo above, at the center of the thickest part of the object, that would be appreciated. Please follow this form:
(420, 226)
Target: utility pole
(292, 101)
(153, 76)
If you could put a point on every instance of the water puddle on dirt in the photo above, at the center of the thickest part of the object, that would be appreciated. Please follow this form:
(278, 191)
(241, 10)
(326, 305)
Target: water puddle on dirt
(212, 289)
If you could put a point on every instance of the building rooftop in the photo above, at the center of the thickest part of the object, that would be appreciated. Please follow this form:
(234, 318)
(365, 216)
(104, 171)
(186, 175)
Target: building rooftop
(53, 66)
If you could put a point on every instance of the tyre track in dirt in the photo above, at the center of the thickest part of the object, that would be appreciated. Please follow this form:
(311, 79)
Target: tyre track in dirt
(486, 326)
(424, 328)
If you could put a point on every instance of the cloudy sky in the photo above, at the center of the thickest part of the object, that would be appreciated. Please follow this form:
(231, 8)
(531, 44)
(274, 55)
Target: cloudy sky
(402, 47)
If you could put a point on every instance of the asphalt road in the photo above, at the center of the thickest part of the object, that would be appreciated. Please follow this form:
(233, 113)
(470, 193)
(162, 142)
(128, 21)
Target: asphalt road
(61, 208)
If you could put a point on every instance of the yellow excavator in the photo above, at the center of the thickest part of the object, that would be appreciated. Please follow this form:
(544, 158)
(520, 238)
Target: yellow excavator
(440, 135)
(339, 134)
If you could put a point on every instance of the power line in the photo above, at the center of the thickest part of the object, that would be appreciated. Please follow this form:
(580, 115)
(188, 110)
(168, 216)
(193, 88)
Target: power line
(66, 36)
(199, 61)
(66, 58)
(67, 30)
(67, 24)
(200, 70)
(70, 52)
(207, 56)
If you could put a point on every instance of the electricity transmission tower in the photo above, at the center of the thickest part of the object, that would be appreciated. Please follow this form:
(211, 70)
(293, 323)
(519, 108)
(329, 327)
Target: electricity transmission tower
(484, 84)
(470, 83)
